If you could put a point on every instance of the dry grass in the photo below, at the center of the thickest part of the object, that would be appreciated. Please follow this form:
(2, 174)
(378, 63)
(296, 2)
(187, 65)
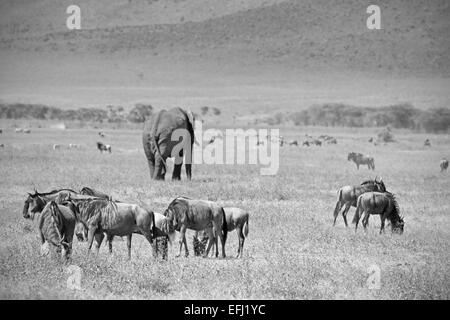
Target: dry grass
(292, 252)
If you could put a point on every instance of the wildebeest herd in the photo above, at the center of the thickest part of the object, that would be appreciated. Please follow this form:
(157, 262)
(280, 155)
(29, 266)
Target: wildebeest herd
(91, 215)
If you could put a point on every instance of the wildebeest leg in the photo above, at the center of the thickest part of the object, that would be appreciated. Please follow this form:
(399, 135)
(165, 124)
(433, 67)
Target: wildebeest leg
(337, 209)
(109, 239)
(98, 241)
(129, 245)
(366, 220)
(91, 233)
(218, 231)
(383, 218)
(344, 213)
(241, 241)
(183, 240)
(210, 241)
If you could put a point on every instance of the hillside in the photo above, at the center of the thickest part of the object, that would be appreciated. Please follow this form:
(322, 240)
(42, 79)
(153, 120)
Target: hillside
(275, 45)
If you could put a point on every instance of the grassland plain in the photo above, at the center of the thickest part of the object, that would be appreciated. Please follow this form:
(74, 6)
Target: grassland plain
(292, 251)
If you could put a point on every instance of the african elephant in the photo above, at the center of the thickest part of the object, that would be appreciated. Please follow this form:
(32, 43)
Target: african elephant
(169, 133)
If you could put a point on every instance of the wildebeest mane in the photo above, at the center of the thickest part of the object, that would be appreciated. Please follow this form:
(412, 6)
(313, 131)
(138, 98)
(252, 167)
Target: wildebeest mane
(101, 210)
(396, 211)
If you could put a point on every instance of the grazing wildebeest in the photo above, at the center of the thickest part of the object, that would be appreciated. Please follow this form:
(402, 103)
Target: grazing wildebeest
(306, 143)
(185, 213)
(427, 143)
(361, 159)
(348, 196)
(444, 164)
(56, 146)
(103, 147)
(382, 203)
(2, 145)
(164, 234)
(293, 143)
(56, 226)
(74, 146)
(101, 134)
(26, 130)
(101, 216)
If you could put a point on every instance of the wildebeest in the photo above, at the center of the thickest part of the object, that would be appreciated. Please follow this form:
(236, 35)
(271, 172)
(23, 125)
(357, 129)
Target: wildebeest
(74, 146)
(348, 196)
(427, 143)
(56, 146)
(1, 131)
(37, 201)
(185, 213)
(101, 216)
(56, 226)
(361, 159)
(103, 147)
(444, 164)
(380, 203)
(101, 134)
(293, 143)
(306, 143)
(26, 130)
(18, 130)
(236, 218)
(2, 145)
(164, 234)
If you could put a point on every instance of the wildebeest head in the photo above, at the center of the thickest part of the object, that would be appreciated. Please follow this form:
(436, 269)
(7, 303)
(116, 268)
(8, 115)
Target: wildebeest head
(175, 211)
(397, 226)
(35, 202)
(351, 156)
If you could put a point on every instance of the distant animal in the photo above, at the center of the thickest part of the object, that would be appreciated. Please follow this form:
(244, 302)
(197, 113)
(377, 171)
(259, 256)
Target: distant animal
(427, 143)
(56, 226)
(1, 131)
(19, 130)
(73, 146)
(370, 139)
(306, 143)
(2, 145)
(380, 203)
(101, 134)
(317, 142)
(103, 147)
(348, 196)
(101, 216)
(444, 164)
(26, 130)
(361, 159)
(185, 213)
(159, 143)
(56, 146)
(293, 143)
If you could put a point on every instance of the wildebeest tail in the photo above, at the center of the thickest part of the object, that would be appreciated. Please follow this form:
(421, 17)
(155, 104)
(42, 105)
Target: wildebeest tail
(224, 226)
(246, 227)
(357, 212)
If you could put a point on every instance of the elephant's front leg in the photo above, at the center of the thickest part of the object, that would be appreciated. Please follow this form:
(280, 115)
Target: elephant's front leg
(160, 169)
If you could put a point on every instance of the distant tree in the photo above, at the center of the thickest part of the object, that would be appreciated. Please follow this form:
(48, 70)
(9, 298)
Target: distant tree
(140, 112)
